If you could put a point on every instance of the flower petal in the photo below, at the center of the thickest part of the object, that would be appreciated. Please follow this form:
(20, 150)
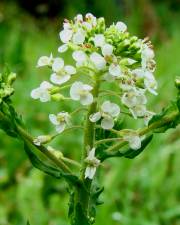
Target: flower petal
(95, 117)
(115, 70)
(70, 69)
(63, 48)
(65, 35)
(107, 49)
(86, 99)
(53, 119)
(107, 123)
(58, 65)
(59, 79)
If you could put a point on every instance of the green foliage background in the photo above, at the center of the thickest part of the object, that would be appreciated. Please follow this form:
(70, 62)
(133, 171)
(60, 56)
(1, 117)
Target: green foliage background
(144, 191)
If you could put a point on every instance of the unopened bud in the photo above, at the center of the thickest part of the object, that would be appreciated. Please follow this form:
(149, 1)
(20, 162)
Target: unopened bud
(56, 153)
(11, 78)
(42, 139)
(177, 82)
(57, 97)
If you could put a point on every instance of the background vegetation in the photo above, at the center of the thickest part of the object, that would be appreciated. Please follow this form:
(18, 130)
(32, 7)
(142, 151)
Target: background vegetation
(144, 191)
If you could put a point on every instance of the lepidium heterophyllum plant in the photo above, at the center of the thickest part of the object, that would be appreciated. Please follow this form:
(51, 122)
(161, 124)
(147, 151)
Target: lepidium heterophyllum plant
(110, 78)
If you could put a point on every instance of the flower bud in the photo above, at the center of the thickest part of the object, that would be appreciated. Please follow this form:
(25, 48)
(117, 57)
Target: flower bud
(177, 82)
(11, 78)
(42, 139)
(56, 153)
(57, 97)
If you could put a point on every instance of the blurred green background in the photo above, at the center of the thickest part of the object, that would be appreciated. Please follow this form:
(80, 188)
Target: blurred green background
(144, 191)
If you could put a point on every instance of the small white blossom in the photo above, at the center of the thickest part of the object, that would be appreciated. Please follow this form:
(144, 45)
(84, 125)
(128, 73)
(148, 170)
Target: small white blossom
(107, 50)
(121, 27)
(42, 139)
(148, 116)
(108, 112)
(138, 111)
(42, 92)
(99, 40)
(133, 98)
(80, 57)
(61, 73)
(79, 37)
(92, 164)
(133, 139)
(45, 61)
(98, 61)
(150, 82)
(60, 120)
(81, 92)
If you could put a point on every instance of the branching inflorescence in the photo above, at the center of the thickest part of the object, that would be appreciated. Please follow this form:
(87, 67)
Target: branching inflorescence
(109, 79)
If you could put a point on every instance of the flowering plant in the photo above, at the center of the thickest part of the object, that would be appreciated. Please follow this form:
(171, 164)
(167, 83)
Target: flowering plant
(110, 80)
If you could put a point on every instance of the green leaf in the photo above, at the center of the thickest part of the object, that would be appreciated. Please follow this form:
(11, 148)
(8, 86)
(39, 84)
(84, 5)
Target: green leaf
(94, 200)
(28, 223)
(167, 112)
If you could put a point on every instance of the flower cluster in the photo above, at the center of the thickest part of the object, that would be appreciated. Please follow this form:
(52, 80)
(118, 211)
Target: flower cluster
(6, 81)
(105, 55)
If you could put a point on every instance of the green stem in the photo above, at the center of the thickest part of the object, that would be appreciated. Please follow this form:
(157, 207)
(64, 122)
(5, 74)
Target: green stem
(82, 194)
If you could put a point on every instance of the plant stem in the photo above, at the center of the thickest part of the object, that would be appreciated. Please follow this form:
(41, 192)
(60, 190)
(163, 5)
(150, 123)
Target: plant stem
(82, 194)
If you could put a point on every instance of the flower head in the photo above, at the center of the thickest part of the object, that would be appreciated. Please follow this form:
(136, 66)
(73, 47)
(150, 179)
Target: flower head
(81, 92)
(60, 120)
(61, 73)
(108, 112)
(42, 92)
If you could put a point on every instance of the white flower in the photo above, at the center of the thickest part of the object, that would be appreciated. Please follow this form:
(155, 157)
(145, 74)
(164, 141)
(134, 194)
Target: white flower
(107, 50)
(115, 70)
(81, 92)
(133, 139)
(42, 92)
(147, 55)
(92, 164)
(79, 18)
(60, 120)
(150, 82)
(91, 19)
(42, 139)
(61, 73)
(63, 48)
(66, 35)
(148, 116)
(121, 27)
(98, 61)
(80, 57)
(45, 61)
(99, 40)
(79, 37)
(138, 111)
(108, 112)
(133, 98)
